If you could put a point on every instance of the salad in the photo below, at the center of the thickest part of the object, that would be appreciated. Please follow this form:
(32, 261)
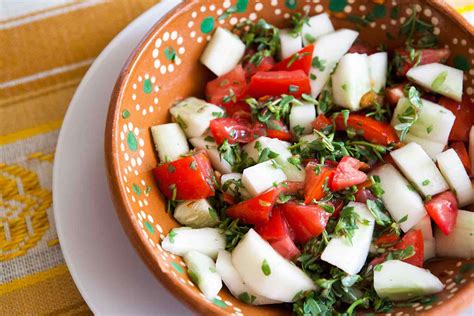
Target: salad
(322, 173)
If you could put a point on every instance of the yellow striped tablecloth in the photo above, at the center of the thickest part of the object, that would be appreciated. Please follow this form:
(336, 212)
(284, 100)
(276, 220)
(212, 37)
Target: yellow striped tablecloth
(46, 46)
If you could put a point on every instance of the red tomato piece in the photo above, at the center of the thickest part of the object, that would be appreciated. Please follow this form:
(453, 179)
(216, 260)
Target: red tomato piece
(316, 177)
(372, 130)
(286, 248)
(338, 206)
(427, 56)
(363, 195)
(306, 221)
(257, 210)
(464, 112)
(291, 187)
(277, 129)
(190, 178)
(413, 238)
(387, 239)
(362, 49)
(276, 83)
(348, 174)
(321, 122)
(461, 150)
(235, 130)
(443, 209)
(266, 64)
(227, 88)
(228, 198)
(394, 93)
(236, 109)
(275, 229)
(300, 61)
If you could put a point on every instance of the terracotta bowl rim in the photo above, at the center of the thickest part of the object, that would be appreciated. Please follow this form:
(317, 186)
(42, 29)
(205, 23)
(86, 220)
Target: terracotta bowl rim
(456, 304)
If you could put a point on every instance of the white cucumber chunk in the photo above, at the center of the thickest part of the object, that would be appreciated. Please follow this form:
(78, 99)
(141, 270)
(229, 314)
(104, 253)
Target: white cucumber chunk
(317, 26)
(266, 272)
(202, 271)
(351, 81)
(170, 141)
(460, 242)
(399, 281)
(262, 176)
(471, 146)
(184, 239)
(350, 256)
(455, 174)
(289, 44)
(429, 242)
(378, 67)
(232, 183)
(418, 167)
(223, 52)
(399, 198)
(209, 145)
(232, 279)
(430, 147)
(194, 115)
(328, 49)
(434, 122)
(292, 172)
(196, 213)
(301, 116)
(438, 78)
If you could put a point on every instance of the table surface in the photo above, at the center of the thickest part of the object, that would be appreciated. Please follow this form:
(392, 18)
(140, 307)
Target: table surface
(49, 46)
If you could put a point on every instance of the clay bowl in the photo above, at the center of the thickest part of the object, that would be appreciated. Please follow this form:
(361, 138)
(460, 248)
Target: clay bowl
(165, 68)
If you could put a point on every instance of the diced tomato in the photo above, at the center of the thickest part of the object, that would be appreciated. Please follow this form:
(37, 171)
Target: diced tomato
(387, 239)
(286, 248)
(188, 178)
(348, 174)
(276, 83)
(306, 221)
(300, 61)
(277, 129)
(443, 209)
(363, 195)
(275, 229)
(338, 205)
(461, 150)
(413, 238)
(316, 177)
(257, 210)
(427, 56)
(266, 64)
(372, 130)
(321, 122)
(394, 93)
(227, 88)
(291, 187)
(464, 112)
(232, 109)
(228, 198)
(362, 49)
(377, 260)
(235, 130)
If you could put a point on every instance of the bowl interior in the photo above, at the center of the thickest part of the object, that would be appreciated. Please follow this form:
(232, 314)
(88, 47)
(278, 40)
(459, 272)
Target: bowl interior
(165, 68)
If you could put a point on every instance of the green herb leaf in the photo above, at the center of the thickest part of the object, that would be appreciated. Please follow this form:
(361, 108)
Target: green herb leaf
(439, 80)
(318, 63)
(172, 234)
(266, 268)
(247, 298)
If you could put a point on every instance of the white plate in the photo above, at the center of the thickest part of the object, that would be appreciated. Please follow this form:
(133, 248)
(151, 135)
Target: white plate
(108, 272)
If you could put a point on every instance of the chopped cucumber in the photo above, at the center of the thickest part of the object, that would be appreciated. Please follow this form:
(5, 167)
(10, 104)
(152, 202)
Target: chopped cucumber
(301, 116)
(209, 145)
(194, 115)
(350, 255)
(262, 176)
(184, 239)
(293, 171)
(170, 141)
(399, 281)
(232, 183)
(429, 242)
(328, 49)
(460, 242)
(351, 81)
(400, 198)
(378, 67)
(231, 278)
(202, 271)
(289, 44)
(317, 26)
(430, 147)
(455, 174)
(266, 272)
(434, 122)
(438, 78)
(196, 214)
(418, 167)
(223, 52)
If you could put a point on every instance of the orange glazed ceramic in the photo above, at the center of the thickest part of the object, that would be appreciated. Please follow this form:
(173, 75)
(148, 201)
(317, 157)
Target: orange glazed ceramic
(165, 68)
